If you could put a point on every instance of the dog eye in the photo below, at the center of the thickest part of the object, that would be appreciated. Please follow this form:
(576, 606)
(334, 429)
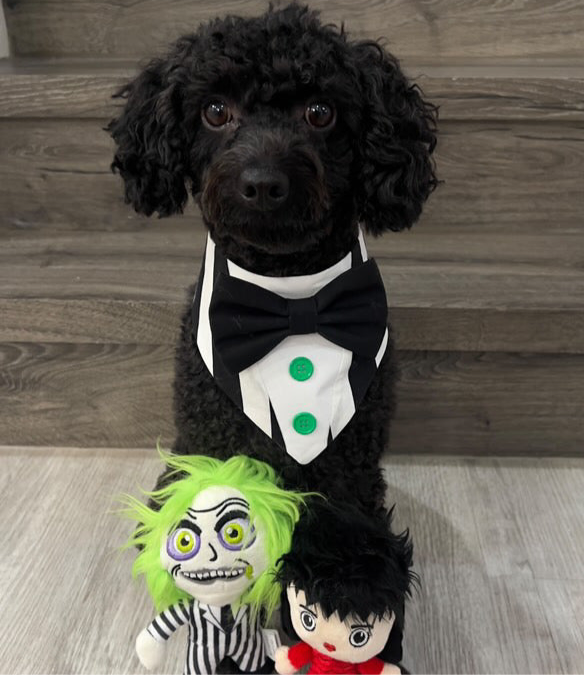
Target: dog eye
(217, 113)
(319, 115)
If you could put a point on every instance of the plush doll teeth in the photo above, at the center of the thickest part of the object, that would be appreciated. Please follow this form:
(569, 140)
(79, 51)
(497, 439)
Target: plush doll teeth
(212, 575)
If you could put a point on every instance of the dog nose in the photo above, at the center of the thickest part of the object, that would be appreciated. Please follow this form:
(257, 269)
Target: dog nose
(263, 188)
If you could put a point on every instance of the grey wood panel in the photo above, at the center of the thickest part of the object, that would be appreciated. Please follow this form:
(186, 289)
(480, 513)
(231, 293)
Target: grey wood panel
(415, 328)
(487, 329)
(563, 603)
(120, 395)
(469, 617)
(57, 175)
(93, 321)
(463, 619)
(71, 607)
(519, 522)
(490, 403)
(101, 395)
(535, 28)
(421, 268)
(446, 291)
(4, 44)
(497, 178)
(77, 88)
(504, 177)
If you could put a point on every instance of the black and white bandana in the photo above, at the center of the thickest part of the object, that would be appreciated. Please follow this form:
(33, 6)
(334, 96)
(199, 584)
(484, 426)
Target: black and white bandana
(296, 354)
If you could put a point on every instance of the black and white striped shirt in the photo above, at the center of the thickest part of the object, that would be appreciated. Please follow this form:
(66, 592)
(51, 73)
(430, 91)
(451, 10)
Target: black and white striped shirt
(209, 641)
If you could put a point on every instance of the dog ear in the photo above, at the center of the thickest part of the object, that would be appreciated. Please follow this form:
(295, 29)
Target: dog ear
(150, 143)
(396, 171)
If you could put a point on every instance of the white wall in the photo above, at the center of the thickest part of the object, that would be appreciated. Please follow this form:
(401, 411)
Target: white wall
(4, 51)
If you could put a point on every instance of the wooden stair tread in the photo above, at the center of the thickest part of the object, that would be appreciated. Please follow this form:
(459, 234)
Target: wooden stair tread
(442, 28)
(505, 293)
(449, 402)
(81, 88)
(420, 268)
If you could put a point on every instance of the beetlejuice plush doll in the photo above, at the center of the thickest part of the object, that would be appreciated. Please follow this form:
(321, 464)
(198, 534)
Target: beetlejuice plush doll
(209, 555)
(344, 583)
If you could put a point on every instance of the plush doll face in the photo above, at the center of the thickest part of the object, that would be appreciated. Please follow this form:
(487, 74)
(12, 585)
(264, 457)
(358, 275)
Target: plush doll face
(214, 554)
(352, 640)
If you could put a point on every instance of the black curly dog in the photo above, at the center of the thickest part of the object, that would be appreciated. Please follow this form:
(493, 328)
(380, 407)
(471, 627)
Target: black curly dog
(344, 139)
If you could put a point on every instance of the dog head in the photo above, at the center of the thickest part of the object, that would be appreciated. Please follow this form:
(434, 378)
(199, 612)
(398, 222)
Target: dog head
(286, 133)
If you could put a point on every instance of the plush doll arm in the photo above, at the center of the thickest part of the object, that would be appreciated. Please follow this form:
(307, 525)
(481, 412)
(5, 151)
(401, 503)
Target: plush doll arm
(150, 651)
(291, 659)
(151, 642)
(390, 669)
(376, 666)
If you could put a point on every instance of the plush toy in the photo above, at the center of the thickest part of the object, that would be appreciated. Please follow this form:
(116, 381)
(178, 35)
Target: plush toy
(208, 555)
(344, 583)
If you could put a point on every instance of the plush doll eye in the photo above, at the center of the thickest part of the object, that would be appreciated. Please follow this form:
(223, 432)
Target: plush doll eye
(183, 544)
(359, 637)
(217, 113)
(234, 534)
(319, 115)
(308, 621)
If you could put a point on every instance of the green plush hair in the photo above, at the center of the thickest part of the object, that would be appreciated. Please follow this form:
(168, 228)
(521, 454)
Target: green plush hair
(276, 510)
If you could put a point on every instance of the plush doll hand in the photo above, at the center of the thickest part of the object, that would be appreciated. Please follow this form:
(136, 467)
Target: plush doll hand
(282, 662)
(150, 651)
(390, 669)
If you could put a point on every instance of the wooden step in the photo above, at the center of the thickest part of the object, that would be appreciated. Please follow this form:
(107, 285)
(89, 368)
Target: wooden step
(475, 403)
(506, 534)
(465, 90)
(440, 29)
(446, 291)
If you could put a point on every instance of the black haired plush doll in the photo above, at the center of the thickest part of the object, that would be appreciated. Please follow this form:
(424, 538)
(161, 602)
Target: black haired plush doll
(345, 581)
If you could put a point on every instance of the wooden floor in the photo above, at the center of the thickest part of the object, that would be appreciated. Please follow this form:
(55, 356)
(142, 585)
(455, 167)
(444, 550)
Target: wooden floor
(499, 547)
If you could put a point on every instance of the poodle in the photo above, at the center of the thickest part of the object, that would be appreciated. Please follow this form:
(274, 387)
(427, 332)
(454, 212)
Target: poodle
(293, 140)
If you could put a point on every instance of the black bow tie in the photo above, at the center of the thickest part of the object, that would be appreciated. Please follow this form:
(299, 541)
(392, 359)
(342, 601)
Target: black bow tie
(248, 321)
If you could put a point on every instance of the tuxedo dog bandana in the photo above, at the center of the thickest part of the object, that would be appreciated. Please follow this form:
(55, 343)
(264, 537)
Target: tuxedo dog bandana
(296, 354)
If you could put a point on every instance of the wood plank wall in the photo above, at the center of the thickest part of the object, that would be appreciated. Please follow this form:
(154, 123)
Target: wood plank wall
(487, 291)
(431, 29)
(4, 44)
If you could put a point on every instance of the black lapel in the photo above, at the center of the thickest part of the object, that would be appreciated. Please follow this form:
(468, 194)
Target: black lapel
(229, 382)
(276, 432)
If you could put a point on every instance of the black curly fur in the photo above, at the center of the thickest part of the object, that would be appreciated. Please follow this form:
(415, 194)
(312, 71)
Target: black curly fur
(349, 563)
(373, 166)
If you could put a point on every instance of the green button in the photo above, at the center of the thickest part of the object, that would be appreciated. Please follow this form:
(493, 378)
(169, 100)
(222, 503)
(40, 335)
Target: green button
(304, 423)
(301, 369)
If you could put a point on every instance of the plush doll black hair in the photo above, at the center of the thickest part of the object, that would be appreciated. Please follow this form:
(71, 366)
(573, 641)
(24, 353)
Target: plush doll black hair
(351, 566)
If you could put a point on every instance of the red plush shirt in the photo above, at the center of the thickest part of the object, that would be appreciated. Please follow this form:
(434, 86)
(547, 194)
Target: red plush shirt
(301, 654)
